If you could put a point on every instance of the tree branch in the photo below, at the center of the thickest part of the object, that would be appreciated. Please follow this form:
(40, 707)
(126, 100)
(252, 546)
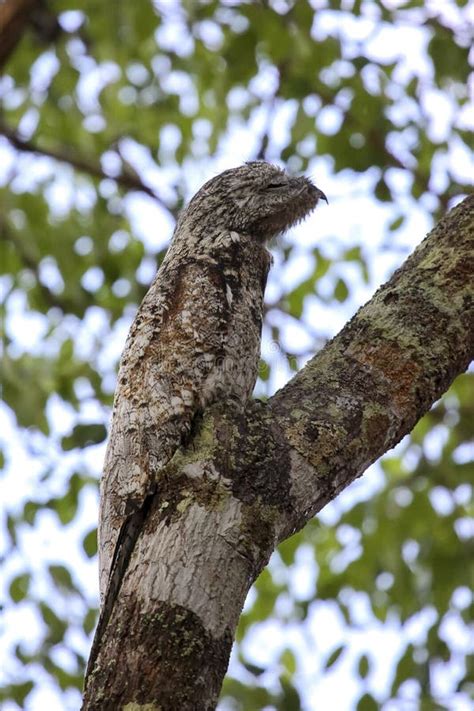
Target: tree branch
(371, 384)
(27, 253)
(125, 179)
(249, 480)
(15, 16)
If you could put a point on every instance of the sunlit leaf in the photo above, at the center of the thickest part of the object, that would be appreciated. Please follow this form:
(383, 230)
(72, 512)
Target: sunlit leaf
(84, 436)
(367, 703)
(19, 587)
(89, 543)
(363, 666)
(334, 656)
(62, 578)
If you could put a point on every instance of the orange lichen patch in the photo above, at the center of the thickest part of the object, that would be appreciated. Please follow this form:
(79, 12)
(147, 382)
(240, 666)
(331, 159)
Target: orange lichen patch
(398, 370)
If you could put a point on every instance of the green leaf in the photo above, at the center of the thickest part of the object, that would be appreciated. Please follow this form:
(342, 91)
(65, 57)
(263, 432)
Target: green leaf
(288, 660)
(263, 370)
(66, 506)
(290, 697)
(254, 669)
(295, 298)
(11, 525)
(341, 291)
(288, 548)
(334, 656)
(84, 436)
(89, 621)
(449, 58)
(353, 255)
(19, 587)
(396, 223)
(363, 666)
(367, 703)
(382, 191)
(17, 692)
(30, 509)
(62, 578)
(248, 697)
(56, 626)
(405, 669)
(62, 677)
(89, 543)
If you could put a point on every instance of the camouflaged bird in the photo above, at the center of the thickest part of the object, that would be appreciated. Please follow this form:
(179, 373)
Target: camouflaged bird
(194, 341)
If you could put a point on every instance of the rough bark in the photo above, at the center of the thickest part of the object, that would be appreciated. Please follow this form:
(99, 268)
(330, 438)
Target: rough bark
(248, 481)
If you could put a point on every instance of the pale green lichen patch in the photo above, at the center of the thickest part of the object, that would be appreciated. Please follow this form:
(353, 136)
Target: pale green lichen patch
(190, 476)
(258, 530)
(185, 503)
(201, 447)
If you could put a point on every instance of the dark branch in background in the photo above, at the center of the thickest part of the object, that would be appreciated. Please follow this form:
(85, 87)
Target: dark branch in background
(31, 262)
(126, 180)
(16, 16)
(265, 139)
(392, 160)
(373, 137)
(13, 20)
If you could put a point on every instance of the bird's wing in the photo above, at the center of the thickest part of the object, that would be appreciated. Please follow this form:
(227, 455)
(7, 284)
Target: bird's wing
(178, 334)
(180, 329)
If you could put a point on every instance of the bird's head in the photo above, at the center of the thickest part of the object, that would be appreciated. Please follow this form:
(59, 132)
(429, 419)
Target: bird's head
(257, 198)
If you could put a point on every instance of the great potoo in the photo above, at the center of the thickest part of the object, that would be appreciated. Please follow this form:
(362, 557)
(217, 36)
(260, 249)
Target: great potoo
(195, 339)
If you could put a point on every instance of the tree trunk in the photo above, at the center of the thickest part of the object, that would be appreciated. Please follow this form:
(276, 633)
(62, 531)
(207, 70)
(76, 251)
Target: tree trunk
(248, 481)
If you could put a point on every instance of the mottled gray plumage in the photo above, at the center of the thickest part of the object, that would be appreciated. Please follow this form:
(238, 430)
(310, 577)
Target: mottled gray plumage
(195, 339)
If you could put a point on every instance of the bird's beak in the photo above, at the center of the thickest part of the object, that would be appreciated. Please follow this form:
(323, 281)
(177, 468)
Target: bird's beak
(322, 196)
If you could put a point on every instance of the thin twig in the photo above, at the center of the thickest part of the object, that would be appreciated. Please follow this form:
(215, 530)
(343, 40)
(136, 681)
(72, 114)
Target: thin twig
(125, 179)
(31, 262)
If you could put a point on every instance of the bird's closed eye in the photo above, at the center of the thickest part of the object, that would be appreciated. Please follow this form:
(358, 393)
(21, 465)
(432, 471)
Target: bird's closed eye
(276, 185)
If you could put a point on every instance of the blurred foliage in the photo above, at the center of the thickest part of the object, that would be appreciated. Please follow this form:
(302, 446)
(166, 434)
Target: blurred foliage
(136, 94)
